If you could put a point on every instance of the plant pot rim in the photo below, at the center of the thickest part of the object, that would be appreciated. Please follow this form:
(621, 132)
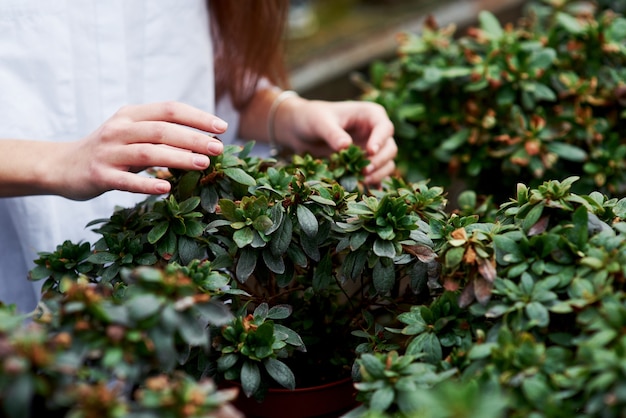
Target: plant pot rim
(334, 397)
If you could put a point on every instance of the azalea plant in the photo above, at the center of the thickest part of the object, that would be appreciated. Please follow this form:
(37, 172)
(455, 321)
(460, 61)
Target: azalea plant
(511, 103)
(303, 253)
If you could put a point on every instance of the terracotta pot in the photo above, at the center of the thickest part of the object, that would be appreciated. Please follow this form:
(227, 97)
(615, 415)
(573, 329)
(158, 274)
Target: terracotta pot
(329, 400)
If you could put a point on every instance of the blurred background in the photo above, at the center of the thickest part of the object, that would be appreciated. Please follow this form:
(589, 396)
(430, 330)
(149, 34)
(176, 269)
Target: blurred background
(329, 41)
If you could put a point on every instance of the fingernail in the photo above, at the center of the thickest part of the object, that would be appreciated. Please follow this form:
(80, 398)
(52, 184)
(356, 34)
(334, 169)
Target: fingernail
(369, 169)
(215, 148)
(375, 148)
(201, 161)
(219, 125)
(162, 187)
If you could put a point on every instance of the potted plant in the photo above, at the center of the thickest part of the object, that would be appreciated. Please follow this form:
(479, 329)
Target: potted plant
(305, 255)
(529, 320)
(97, 350)
(261, 273)
(517, 103)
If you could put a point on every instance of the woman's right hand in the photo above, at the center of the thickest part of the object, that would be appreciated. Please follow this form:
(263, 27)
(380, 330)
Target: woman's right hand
(134, 138)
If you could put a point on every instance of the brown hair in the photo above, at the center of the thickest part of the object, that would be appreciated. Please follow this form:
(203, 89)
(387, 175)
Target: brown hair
(247, 37)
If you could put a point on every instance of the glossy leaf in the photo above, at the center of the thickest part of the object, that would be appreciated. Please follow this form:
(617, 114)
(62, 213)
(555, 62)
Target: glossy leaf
(250, 378)
(280, 373)
(307, 220)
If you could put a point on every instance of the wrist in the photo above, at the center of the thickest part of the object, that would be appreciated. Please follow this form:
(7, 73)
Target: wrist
(272, 118)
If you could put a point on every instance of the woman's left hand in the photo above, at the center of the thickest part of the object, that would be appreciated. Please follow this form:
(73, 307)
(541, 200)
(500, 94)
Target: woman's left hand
(323, 127)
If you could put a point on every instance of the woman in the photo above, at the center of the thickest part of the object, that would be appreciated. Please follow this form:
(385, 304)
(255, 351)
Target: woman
(163, 70)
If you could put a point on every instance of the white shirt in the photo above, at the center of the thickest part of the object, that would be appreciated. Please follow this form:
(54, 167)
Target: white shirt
(65, 67)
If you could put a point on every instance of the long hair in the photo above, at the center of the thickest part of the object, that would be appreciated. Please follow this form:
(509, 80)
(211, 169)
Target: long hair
(248, 44)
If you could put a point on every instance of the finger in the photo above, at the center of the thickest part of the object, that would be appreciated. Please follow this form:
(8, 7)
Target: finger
(381, 173)
(387, 152)
(381, 132)
(336, 138)
(163, 133)
(129, 182)
(175, 112)
(149, 155)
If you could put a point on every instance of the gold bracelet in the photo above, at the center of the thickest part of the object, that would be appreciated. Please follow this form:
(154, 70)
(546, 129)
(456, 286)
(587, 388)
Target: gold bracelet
(271, 118)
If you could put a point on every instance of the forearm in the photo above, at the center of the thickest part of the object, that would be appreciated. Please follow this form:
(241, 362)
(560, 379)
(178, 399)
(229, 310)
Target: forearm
(29, 168)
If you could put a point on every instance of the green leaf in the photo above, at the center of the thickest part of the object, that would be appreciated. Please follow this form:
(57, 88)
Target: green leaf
(540, 91)
(373, 365)
(194, 228)
(246, 264)
(19, 396)
(532, 217)
(570, 23)
(455, 141)
(307, 220)
(620, 208)
(383, 248)
(262, 223)
(187, 183)
(281, 238)
(454, 257)
(167, 247)
(209, 199)
(542, 59)
(261, 312)
(38, 273)
(243, 237)
(384, 277)
(580, 233)
(144, 306)
(189, 250)
(382, 399)
(280, 373)
(322, 276)
(567, 151)
(292, 337)
(353, 264)
(227, 361)
(427, 344)
(490, 24)
(102, 257)
(193, 332)
(535, 388)
(240, 176)
(411, 111)
(146, 259)
(228, 209)
(157, 232)
(164, 347)
(275, 263)
(279, 312)
(538, 314)
(250, 378)
(189, 204)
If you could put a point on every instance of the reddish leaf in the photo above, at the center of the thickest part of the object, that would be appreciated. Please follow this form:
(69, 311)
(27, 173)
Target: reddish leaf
(467, 295)
(482, 290)
(540, 226)
(487, 269)
(421, 252)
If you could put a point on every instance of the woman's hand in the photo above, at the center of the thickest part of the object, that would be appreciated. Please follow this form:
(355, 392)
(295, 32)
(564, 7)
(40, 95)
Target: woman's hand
(134, 138)
(322, 127)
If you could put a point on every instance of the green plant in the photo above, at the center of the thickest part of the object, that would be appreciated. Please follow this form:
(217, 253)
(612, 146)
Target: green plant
(297, 274)
(515, 103)
(105, 350)
(303, 253)
(545, 333)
